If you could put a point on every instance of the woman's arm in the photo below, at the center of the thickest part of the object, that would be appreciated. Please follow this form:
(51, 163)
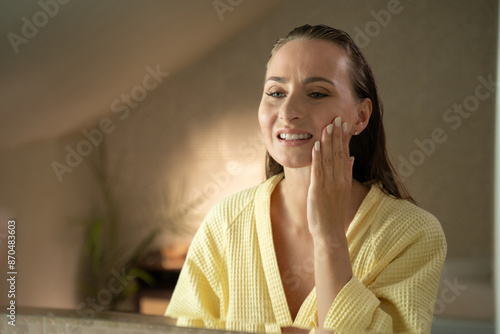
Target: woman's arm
(406, 256)
(332, 270)
(398, 280)
(328, 200)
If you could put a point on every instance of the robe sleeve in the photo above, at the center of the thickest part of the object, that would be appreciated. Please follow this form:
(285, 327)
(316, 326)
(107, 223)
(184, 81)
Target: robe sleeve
(196, 300)
(402, 296)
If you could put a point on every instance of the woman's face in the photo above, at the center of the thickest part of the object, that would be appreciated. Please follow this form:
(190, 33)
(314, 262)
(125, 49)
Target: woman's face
(307, 86)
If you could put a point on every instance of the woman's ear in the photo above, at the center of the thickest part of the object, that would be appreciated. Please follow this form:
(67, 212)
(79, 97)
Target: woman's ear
(364, 113)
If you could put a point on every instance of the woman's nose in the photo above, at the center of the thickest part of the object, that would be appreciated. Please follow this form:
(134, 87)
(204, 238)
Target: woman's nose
(291, 110)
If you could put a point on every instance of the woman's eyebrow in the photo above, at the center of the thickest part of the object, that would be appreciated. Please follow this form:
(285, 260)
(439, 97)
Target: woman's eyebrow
(316, 79)
(306, 81)
(277, 79)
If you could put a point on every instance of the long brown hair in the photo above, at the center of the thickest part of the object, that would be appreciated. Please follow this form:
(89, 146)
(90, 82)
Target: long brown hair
(372, 164)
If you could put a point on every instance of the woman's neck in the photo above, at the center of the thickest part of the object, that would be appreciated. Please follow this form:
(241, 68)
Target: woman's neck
(293, 190)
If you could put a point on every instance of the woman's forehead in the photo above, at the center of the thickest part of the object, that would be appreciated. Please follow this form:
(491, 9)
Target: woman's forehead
(306, 58)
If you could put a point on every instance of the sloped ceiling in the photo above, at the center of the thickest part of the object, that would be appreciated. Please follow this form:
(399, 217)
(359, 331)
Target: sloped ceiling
(63, 62)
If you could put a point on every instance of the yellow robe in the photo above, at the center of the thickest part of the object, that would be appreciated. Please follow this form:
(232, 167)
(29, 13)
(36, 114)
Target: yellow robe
(231, 280)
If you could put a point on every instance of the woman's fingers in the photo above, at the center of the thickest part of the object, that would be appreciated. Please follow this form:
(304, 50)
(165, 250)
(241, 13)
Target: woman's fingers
(316, 168)
(331, 159)
(327, 159)
(331, 177)
(348, 160)
(338, 149)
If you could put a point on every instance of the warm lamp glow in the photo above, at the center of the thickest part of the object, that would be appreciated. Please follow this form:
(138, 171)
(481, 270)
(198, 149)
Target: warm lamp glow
(217, 161)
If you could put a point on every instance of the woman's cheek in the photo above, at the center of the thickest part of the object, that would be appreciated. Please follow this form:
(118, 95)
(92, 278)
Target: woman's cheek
(262, 115)
(265, 121)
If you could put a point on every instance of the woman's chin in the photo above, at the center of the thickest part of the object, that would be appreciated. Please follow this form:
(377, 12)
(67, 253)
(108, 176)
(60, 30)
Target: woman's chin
(295, 164)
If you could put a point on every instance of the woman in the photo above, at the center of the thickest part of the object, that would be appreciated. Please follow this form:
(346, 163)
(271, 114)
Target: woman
(328, 242)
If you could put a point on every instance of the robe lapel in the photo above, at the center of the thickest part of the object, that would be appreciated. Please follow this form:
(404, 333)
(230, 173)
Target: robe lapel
(269, 261)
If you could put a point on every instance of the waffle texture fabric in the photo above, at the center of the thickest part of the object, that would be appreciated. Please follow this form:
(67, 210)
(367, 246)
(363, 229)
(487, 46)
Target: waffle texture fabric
(231, 279)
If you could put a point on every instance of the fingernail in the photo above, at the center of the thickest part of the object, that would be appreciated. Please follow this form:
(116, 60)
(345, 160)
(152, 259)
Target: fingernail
(316, 145)
(329, 129)
(352, 159)
(344, 127)
(338, 120)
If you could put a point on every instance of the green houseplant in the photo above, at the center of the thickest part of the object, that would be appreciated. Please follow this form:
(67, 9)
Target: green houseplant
(111, 271)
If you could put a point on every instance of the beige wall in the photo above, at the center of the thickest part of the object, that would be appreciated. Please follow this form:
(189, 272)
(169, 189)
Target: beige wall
(428, 58)
(197, 134)
(48, 216)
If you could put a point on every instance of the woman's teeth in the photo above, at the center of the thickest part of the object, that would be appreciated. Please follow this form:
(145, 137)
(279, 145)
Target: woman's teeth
(288, 136)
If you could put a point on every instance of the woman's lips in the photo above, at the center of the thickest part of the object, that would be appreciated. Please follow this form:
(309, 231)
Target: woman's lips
(293, 137)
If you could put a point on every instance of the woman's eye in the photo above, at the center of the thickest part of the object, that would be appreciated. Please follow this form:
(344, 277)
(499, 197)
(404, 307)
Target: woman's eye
(317, 95)
(276, 94)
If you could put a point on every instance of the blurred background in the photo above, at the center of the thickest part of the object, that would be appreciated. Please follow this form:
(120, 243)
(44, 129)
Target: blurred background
(123, 122)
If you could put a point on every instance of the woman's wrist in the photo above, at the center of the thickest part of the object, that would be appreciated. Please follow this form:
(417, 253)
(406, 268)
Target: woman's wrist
(330, 248)
(331, 240)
